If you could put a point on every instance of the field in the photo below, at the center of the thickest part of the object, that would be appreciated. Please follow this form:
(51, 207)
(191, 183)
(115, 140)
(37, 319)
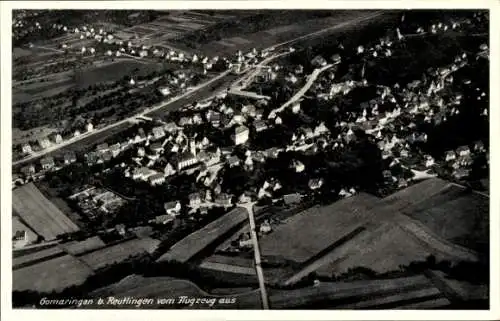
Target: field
(40, 214)
(52, 275)
(196, 242)
(391, 293)
(306, 234)
(118, 252)
(461, 218)
(229, 264)
(36, 257)
(79, 247)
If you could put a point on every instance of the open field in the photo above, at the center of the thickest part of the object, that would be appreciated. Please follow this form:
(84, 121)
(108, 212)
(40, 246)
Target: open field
(52, 275)
(392, 293)
(462, 218)
(79, 247)
(196, 242)
(306, 234)
(39, 213)
(232, 264)
(36, 257)
(116, 253)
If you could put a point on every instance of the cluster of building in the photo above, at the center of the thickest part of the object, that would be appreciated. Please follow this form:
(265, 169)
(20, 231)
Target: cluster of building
(94, 201)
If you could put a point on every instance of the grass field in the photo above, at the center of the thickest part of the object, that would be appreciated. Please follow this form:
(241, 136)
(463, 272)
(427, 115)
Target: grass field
(306, 234)
(39, 213)
(52, 275)
(34, 257)
(79, 247)
(196, 242)
(117, 253)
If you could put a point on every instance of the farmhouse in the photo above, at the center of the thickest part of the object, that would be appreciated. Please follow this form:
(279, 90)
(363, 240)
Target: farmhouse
(47, 163)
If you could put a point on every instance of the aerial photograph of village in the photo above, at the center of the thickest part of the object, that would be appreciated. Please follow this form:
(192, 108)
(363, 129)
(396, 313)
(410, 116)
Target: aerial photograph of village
(250, 159)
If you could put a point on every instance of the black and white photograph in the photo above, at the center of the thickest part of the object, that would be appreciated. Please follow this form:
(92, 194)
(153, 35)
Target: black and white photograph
(248, 159)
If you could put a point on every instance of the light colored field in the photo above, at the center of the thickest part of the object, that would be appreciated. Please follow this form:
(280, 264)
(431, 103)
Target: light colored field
(283, 29)
(195, 242)
(75, 247)
(231, 260)
(225, 43)
(35, 256)
(239, 40)
(39, 213)
(20, 52)
(119, 252)
(306, 234)
(228, 268)
(52, 275)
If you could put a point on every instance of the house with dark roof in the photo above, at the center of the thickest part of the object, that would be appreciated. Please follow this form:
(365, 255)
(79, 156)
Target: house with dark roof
(47, 163)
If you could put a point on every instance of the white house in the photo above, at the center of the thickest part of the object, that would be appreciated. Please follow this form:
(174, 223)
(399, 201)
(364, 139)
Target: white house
(173, 208)
(156, 179)
(26, 148)
(241, 135)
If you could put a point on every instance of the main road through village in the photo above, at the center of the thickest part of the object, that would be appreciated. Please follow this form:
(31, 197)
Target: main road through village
(200, 92)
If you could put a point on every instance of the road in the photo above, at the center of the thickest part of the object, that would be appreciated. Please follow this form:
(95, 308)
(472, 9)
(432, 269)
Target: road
(256, 251)
(188, 94)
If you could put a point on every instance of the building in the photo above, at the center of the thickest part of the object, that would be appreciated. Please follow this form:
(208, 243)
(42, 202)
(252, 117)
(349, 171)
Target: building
(186, 159)
(44, 143)
(233, 161)
(47, 163)
(102, 148)
(479, 147)
(156, 179)
(172, 208)
(26, 148)
(165, 91)
(69, 157)
(463, 150)
(56, 138)
(142, 173)
(170, 127)
(156, 147)
(194, 199)
(461, 173)
(315, 183)
(450, 156)
(214, 118)
(89, 127)
(28, 170)
(115, 149)
(265, 227)
(163, 219)
(20, 239)
(241, 135)
(158, 132)
(259, 125)
(224, 200)
(318, 61)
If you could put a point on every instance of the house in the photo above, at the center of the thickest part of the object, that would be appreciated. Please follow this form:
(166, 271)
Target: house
(47, 163)
(170, 127)
(89, 127)
(186, 159)
(214, 118)
(259, 157)
(115, 149)
(293, 198)
(402, 183)
(296, 108)
(142, 173)
(336, 58)
(194, 199)
(156, 179)
(224, 200)
(465, 160)
(172, 208)
(479, 147)
(44, 142)
(450, 156)
(26, 148)
(165, 91)
(185, 121)
(463, 150)
(69, 157)
(92, 158)
(265, 227)
(272, 152)
(56, 138)
(298, 166)
(245, 241)
(249, 110)
(102, 148)
(20, 239)
(315, 183)
(141, 133)
(241, 135)
(28, 170)
(169, 170)
(429, 161)
(318, 61)
(233, 161)
(158, 132)
(259, 125)
(120, 228)
(156, 147)
(107, 156)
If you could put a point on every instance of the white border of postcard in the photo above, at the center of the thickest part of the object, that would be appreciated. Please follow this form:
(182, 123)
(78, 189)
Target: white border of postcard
(87, 315)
